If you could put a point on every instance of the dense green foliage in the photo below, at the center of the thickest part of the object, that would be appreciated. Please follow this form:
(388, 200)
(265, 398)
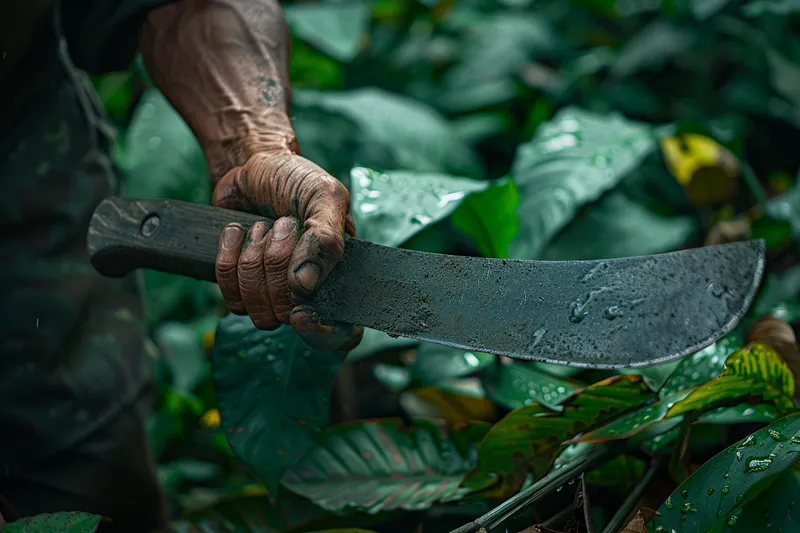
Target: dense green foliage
(555, 129)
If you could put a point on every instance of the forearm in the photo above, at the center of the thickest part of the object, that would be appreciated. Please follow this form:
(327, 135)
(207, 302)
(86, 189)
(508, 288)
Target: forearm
(223, 64)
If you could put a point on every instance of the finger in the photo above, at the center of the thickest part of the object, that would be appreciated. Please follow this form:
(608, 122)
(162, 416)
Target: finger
(322, 243)
(228, 249)
(280, 243)
(337, 337)
(229, 192)
(252, 281)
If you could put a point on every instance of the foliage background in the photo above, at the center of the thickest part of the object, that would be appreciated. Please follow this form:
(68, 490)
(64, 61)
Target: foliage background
(551, 129)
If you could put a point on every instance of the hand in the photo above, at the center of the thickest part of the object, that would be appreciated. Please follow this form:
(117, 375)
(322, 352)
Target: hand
(260, 271)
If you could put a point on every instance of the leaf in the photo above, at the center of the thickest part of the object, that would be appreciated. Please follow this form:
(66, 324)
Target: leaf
(571, 161)
(184, 351)
(454, 402)
(336, 29)
(394, 132)
(774, 509)
(517, 384)
(436, 363)
(617, 226)
(755, 370)
(273, 394)
(703, 9)
(757, 8)
(490, 218)
(527, 438)
(702, 366)
(623, 470)
(382, 466)
(390, 207)
(778, 293)
(651, 47)
(786, 207)
(55, 523)
(713, 494)
(638, 524)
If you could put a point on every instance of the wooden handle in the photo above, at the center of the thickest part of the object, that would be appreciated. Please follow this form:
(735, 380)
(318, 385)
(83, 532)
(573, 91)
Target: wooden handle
(165, 235)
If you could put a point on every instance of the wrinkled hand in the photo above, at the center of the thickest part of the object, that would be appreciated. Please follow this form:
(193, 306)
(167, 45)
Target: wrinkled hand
(260, 271)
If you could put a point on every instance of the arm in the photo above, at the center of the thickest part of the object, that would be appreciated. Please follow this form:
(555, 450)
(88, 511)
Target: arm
(223, 64)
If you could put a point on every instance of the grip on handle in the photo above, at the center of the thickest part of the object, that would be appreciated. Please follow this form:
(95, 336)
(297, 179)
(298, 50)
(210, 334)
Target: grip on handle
(166, 235)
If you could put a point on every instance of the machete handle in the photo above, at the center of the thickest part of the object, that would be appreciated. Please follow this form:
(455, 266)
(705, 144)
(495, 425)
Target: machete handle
(159, 234)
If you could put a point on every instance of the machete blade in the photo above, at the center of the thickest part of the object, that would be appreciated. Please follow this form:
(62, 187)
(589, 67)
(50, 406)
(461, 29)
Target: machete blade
(629, 312)
(616, 313)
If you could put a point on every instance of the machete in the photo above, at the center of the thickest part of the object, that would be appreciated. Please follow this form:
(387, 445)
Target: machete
(617, 313)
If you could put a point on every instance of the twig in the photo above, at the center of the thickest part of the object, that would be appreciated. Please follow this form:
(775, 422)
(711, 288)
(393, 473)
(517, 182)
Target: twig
(535, 492)
(633, 498)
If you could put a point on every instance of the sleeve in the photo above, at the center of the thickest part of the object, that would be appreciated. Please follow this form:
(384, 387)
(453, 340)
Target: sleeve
(103, 35)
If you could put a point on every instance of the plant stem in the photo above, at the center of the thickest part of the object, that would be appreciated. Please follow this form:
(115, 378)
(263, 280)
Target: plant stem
(536, 492)
(630, 502)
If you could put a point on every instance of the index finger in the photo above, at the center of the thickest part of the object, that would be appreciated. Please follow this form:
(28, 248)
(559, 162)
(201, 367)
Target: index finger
(324, 205)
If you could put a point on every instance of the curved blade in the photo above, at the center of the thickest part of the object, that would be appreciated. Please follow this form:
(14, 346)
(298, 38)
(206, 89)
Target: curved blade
(628, 312)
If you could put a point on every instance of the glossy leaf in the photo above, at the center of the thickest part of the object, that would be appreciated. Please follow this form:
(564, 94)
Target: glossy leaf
(55, 523)
(755, 370)
(517, 384)
(714, 494)
(490, 218)
(390, 207)
(571, 161)
(394, 132)
(618, 226)
(775, 508)
(273, 394)
(436, 363)
(527, 438)
(336, 29)
(702, 366)
(382, 465)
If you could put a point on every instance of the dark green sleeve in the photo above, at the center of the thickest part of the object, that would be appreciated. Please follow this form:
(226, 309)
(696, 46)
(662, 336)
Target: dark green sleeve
(103, 35)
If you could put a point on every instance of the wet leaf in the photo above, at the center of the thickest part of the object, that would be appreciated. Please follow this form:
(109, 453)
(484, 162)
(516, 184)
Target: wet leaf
(571, 161)
(273, 394)
(490, 218)
(517, 384)
(436, 363)
(55, 523)
(395, 132)
(714, 494)
(527, 438)
(618, 226)
(382, 466)
(336, 29)
(775, 508)
(389, 208)
(702, 366)
(755, 370)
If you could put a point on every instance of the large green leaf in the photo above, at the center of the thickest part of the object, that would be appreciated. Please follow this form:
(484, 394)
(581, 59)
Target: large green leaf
(390, 207)
(273, 394)
(702, 366)
(336, 29)
(490, 218)
(714, 495)
(527, 438)
(773, 509)
(55, 523)
(755, 370)
(618, 226)
(383, 465)
(394, 132)
(516, 384)
(571, 161)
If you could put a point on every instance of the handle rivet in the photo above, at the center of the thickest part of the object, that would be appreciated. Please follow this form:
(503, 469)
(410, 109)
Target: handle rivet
(150, 225)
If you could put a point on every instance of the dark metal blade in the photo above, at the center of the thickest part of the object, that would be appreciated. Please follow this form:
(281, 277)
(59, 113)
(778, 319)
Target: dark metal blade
(629, 312)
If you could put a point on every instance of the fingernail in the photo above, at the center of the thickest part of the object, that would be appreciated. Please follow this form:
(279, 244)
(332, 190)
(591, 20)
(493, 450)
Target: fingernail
(308, 276)
(258, 232)
(231, 236)
(283, 228)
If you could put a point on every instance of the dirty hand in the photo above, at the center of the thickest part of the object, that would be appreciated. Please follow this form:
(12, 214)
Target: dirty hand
(267, 272)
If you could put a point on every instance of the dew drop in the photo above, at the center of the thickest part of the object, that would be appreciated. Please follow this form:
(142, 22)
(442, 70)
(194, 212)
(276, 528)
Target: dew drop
(686, 507)
(684, 493)
(668, 503)
(612, 312)
(757, 464)
(732, 520)
(725, 490)
(776, 435)
(726, 475)
(749, 441)
(712, 490)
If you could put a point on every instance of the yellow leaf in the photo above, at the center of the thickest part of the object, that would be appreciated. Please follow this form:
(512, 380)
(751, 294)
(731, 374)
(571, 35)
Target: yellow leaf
(210, 419)
(707, 171)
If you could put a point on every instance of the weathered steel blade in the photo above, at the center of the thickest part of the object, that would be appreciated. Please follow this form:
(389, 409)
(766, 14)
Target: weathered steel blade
(629, 312)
